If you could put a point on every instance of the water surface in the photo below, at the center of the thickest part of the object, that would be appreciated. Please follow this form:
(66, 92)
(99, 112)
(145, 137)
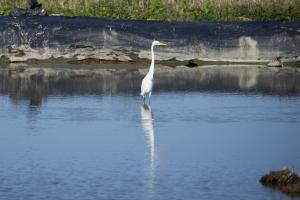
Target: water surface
(195, 145)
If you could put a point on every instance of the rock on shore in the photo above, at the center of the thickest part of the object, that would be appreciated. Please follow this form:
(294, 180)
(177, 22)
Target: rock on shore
(285, 180)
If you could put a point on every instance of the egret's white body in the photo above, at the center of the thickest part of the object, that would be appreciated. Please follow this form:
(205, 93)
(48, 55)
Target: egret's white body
(147, 83)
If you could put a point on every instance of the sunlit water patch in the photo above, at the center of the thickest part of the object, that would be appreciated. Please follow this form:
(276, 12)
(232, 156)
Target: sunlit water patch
(192, 145)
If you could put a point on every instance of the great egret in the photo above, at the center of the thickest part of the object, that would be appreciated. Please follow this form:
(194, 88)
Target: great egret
(147, 83)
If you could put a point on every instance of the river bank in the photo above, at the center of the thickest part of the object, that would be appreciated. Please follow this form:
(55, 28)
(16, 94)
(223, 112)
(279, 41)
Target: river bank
(85, 38)
(57, 55)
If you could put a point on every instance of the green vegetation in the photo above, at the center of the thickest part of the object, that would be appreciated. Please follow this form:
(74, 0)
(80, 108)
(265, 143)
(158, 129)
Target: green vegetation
(180, 10)
(5, 11)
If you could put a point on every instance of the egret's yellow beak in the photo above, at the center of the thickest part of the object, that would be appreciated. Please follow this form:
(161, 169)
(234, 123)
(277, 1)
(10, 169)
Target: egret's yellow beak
(163, 44)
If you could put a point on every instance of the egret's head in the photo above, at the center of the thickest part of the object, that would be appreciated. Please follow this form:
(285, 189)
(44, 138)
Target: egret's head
(157, 43)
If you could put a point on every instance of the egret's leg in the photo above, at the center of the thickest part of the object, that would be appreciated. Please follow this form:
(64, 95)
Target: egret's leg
(149, 97)
(144, 99)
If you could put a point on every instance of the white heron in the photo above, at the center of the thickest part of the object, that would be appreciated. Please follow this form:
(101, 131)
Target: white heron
(147, 83)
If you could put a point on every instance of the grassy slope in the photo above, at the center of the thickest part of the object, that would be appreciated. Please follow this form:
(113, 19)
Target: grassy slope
(182, 10)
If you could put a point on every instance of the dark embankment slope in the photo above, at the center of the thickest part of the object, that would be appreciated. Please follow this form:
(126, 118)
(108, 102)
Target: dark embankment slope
(79, 38)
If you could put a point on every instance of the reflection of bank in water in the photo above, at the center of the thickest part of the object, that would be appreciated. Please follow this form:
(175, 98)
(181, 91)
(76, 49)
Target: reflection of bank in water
(147, 123)
(35, 82)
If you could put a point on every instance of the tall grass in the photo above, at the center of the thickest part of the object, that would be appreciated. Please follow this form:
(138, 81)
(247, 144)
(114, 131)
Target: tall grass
(171, 9)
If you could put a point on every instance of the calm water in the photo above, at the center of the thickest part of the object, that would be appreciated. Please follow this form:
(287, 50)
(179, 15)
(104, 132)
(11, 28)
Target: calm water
(188, 146)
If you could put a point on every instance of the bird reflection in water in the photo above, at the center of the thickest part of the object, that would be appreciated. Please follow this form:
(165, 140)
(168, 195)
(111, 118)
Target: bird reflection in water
(147, 123)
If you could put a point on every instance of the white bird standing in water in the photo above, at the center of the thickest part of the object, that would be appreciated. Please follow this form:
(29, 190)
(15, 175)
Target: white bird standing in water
(147, 83)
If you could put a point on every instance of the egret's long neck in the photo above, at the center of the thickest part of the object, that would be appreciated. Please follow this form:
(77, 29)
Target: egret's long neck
(151, 70)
